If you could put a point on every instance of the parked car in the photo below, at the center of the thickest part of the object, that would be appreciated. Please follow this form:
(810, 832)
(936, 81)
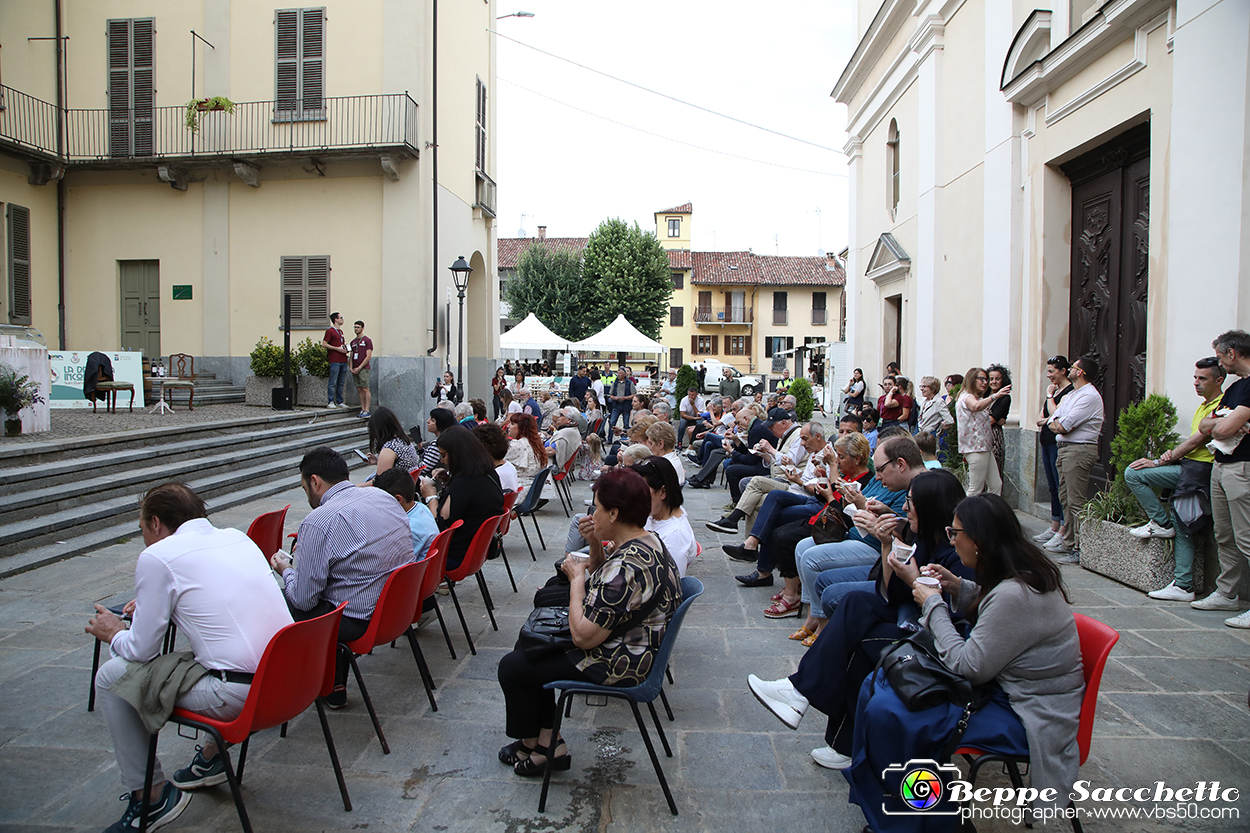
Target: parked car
(715, 372)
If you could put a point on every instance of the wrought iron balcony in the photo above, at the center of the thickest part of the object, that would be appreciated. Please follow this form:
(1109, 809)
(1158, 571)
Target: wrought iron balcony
(722, 315)
(485, 194)
(346, 125)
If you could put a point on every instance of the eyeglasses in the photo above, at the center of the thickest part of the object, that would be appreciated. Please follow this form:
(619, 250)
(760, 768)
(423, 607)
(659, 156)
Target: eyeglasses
(952, 532)
(907, 504)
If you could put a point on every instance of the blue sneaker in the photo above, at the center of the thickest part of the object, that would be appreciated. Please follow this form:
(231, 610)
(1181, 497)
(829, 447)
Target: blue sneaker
(201, 772)
(173, 801)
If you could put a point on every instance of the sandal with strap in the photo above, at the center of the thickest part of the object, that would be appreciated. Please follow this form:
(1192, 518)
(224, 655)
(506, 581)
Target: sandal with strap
(801, 634)
(782, 609)
(810, 641)
(776, 597)
(559, 763)
(514, 753)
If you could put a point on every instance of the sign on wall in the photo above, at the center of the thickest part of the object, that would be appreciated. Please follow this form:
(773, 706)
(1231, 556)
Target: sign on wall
(69, 367)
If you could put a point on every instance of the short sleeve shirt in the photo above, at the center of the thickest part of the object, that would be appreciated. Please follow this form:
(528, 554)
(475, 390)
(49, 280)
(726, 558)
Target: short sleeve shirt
(974, 426)
(628, 580)
(1237, 396)
(335, 336)
(361, 346)
(406, 457)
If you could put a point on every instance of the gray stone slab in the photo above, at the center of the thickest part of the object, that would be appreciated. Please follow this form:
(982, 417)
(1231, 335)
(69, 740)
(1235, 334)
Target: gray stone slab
(742, 759)
(1138, 618)
(1185, 715)
(1123, 674)
(1207, 643)
(1185, 674)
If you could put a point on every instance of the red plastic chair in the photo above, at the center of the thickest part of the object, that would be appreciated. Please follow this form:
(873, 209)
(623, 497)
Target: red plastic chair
(1097, 639)
(560, 478)
(509, 500)
(415, 474)
(474, 558)
(434, 577)
(266, 531)
(296, 670)
(392, 618)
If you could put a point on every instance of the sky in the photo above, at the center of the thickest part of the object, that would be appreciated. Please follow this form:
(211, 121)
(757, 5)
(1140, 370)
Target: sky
(574, 147)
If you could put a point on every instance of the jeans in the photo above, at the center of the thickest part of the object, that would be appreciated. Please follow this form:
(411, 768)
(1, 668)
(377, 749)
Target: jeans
(779, 507)
(813, 559)
(620, 410)
(832, 585)
(1143, 483)
(336, 383)
(1050, 453)
(210, 696)
(736, 472)
(711, 442)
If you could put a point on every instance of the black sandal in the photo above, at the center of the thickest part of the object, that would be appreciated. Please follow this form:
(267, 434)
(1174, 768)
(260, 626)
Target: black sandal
(560, 763)
(514, 753)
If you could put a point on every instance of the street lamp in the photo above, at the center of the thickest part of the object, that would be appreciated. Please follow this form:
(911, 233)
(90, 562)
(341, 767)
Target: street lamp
(460, 272)
(516, 14)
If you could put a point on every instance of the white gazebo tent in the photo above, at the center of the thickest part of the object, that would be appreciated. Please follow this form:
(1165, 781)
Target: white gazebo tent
(532, 334)
(619, 337)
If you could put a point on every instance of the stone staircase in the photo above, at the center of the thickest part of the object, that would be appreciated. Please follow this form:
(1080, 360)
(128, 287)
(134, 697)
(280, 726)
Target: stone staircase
(209, 390)
(64, 498)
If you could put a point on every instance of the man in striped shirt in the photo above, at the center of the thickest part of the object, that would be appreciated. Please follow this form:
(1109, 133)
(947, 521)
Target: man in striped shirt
(348, 546)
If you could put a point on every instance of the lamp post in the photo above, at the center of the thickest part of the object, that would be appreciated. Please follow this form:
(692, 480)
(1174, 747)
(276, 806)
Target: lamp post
(460, 271)
(516, 14)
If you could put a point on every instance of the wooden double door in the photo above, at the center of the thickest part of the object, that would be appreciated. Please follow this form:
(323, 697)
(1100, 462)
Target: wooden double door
(1109, 278)
(141, 306)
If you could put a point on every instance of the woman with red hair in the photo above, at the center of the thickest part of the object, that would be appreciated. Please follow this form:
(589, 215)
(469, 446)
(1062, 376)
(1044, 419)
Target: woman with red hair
(525, 447)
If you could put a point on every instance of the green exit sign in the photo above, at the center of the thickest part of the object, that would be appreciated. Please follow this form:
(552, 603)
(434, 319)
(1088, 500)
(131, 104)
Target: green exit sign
(182, 292)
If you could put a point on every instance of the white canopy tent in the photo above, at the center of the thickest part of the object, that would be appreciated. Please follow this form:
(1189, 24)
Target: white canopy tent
(619, 337)
(532, 334)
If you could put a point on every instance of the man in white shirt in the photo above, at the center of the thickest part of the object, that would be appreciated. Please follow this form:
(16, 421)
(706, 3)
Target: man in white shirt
(691, 410)
(1077, 425)
(784, 473)
(566, 440)
(215, 586)
(668, 389)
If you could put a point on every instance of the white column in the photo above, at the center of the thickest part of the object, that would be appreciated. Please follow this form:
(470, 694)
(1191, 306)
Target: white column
(1208, 187)
(922, 314)
(854, 151)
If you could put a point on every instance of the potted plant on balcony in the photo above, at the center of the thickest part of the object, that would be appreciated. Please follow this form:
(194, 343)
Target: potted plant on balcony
(312, 359)
(198, 106)
(267, 373)
(17, 393)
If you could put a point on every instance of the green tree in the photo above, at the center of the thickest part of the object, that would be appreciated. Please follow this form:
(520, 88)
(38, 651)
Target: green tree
(549, 284)
(687, 378)
(804, 401)
(629, 272)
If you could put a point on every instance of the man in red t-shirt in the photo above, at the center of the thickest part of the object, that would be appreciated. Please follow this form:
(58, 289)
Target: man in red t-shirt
(362, 351)
(336, 348)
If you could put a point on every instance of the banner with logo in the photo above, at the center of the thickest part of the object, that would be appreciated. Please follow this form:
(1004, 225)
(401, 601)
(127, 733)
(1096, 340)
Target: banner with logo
(69, 368)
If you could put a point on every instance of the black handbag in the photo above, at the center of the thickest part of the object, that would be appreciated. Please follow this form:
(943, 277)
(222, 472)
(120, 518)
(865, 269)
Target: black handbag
(546, 632)
(829, 526)
(920, 678)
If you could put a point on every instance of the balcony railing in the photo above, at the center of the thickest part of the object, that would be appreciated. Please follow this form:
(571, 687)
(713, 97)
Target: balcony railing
(820, 316)
(485, 194)
(347, 123)
(27, 122)
(781, 316)
(722, 315)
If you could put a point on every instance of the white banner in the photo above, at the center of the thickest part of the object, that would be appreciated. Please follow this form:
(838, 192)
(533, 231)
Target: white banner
(68, 369)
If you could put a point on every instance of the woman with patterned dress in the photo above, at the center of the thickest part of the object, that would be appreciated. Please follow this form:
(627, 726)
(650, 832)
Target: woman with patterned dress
(972, 416)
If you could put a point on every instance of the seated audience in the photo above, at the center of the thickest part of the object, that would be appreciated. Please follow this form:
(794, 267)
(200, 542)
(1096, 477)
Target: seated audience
(399, 484)
(661, 439)
(566, 440)
(389, 446)
(439, 421)
(472, 493)
(496, 443)
(525, 448)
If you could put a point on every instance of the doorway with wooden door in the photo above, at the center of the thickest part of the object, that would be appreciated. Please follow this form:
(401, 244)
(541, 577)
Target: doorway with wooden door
(1110, 270)
(141, 306)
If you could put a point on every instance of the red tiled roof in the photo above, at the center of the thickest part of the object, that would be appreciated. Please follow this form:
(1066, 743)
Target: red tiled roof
(684, 208)
(508, 249)
(679, 258)
(745, 268)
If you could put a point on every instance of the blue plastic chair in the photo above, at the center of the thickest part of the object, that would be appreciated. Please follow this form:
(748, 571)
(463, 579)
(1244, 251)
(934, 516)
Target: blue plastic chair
(529, 505)
(645, 692)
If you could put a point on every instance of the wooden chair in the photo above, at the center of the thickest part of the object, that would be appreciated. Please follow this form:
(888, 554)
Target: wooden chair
(185, 380)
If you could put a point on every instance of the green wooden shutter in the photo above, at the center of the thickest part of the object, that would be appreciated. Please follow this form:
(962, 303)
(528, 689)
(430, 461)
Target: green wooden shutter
(481, 125)
(292, 284)
(286, 53)
(118, 34)
(143, 84)
(18, 235)
(317, 291)
(312, 60)
(299, 55)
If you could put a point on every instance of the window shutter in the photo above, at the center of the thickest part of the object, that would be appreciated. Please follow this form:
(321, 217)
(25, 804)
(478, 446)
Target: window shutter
(675, 357)
(675, 316)
(694, 345)
(119, 87)
(768, 348)
(317, 291)
(715, 345)
(293, 285)
(779, 300)
(789, 342)
(286, 53)
(312, 60)
(143, 80)
(480, 132)
(747, 346)
(818, 300)
(19, 264)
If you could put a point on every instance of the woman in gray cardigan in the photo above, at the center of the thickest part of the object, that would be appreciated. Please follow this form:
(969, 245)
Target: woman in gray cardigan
(1023, 638)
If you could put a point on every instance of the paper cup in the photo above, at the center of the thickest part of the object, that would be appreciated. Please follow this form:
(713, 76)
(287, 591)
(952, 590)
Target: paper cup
(929, 581)
(903, 551)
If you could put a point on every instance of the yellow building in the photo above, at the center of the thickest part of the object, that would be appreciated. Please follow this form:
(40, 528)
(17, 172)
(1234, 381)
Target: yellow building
(181, 230)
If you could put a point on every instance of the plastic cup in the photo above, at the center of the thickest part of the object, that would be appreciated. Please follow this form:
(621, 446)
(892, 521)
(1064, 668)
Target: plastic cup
(929, 581)
(902, 551)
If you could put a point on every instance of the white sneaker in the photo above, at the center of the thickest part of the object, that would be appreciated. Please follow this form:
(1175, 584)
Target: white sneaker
(1150, 529)
(1242, 621)
(1044, 536)
(1172, 593)
(830, 758)
(780, 698)
(1216, 601)
(1056, 544)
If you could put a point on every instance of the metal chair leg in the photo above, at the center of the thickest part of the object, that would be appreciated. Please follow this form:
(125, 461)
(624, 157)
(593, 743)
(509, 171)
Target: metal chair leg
(561, 705)
(443, 625)
(364, 695)
(667, 709)
(147, 784)
(95, 666)
(243, 758)
(426, 679)
(659, 729)
(334, 755)
(451, 588)
(490, 604)
(655, 761)
(504, 555)
(539, 529)
(527, 538)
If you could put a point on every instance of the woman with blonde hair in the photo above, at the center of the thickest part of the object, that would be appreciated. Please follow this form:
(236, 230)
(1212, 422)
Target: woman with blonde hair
(972, 415)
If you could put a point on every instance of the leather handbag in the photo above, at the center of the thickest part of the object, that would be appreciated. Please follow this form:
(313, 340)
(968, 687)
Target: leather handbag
(829, 525)
(920, 678)
(546, 632)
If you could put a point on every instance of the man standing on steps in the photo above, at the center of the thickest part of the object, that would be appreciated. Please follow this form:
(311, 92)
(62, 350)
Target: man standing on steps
(362, 351)
(336, 351)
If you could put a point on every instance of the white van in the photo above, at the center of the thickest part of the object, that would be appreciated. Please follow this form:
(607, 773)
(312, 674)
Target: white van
(715, 372)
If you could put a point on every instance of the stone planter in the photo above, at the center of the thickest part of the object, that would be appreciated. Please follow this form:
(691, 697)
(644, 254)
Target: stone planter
(310, 391)
(1109, 549)
(258, 390)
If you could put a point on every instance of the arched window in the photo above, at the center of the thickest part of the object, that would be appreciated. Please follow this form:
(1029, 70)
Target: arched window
(892, 166)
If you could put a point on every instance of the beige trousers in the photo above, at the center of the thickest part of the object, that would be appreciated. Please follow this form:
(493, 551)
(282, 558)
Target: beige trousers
(753, 496)
(1230, 509)
(1075, 462)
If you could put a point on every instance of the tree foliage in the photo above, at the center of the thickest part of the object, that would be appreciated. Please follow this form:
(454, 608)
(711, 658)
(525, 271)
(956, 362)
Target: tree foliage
(549, 283)
(687, 378)
(804, 401)
(629, 272)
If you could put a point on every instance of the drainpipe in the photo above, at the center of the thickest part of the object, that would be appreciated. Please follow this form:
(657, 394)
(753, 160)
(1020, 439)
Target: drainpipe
(434, 165)
(60, 182)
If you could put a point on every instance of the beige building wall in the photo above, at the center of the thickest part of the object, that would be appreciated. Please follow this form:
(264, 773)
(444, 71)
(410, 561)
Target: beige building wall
(41, 200)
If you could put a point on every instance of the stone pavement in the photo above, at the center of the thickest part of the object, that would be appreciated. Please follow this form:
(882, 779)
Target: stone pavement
(1173, 708)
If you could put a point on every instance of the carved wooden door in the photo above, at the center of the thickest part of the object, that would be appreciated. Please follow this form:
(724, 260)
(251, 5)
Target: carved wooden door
(1110, 258)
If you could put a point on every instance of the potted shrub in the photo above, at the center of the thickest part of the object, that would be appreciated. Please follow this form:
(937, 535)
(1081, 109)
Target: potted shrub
(267, 361)
(17, 393)
(1144, 429)
(198, 106)
(804, 401)
(311, 358)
